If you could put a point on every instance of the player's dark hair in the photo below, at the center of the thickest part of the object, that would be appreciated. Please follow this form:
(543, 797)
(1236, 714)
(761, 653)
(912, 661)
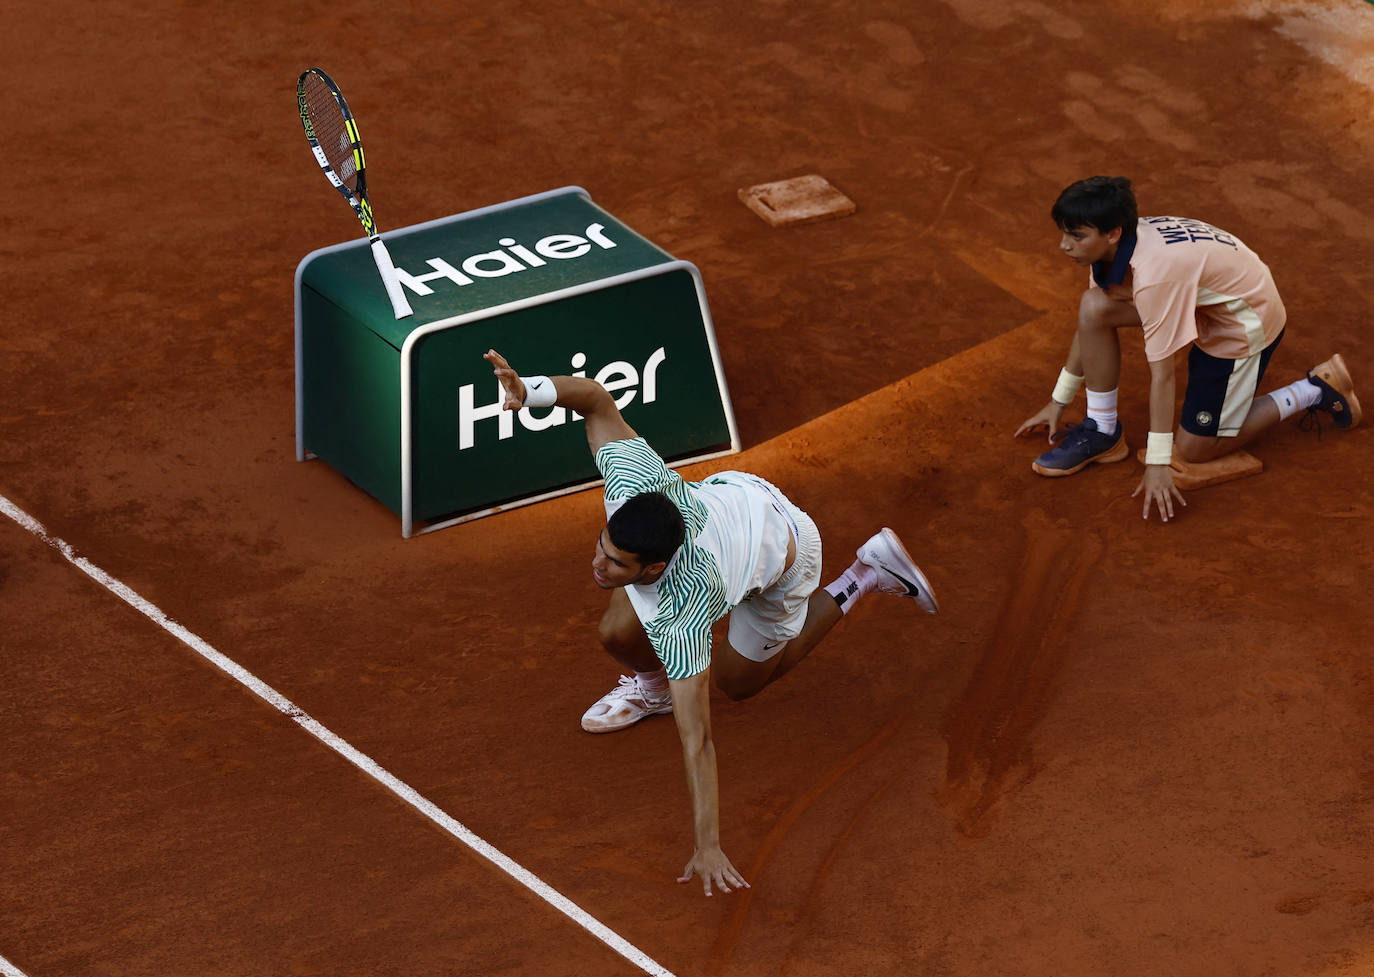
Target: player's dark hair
(649, 526)
(1103, 202)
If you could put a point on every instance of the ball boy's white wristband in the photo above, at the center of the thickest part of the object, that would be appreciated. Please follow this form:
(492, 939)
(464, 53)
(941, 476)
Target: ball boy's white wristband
(539, 392)
(1066, 388)
(1159, 448)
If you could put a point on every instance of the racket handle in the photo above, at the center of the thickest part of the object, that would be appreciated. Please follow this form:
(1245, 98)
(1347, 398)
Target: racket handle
(387, 270)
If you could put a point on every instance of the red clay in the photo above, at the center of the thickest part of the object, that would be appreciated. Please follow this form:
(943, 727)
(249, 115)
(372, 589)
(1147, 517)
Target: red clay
(1123, 748)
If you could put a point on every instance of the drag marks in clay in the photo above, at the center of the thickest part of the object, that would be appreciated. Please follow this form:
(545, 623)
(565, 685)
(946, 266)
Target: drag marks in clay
(989, 731)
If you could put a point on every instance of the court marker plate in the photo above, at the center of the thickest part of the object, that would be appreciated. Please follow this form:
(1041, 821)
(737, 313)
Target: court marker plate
(800, 200)
(1199, 474)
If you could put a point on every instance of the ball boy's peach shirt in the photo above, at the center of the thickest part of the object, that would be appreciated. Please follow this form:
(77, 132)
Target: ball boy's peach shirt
(1192, 282)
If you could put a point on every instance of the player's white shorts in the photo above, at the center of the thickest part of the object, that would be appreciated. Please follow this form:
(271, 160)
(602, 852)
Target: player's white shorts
(761, 625)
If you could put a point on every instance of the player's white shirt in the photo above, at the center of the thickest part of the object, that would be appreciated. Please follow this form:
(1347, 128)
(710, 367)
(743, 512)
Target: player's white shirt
(741, 532)
(735, 546)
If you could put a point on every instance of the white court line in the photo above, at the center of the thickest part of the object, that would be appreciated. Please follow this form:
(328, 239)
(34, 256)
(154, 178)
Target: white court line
(364, 763)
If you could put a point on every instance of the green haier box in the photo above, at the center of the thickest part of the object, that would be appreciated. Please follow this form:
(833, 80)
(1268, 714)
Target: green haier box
(410, 412)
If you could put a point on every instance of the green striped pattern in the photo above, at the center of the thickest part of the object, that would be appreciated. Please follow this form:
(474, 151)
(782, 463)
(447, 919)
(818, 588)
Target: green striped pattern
(691, 594)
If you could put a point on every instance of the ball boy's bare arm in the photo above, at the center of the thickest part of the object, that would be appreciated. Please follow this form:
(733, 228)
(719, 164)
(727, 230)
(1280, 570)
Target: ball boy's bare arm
(1157, 483)
(1049, 415)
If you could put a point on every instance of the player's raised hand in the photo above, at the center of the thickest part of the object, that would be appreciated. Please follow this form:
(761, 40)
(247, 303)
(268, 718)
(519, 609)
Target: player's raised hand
(1048, 417)
(510, 380)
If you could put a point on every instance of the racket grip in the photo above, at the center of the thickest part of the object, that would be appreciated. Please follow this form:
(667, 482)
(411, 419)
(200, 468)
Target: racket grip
(387, 270)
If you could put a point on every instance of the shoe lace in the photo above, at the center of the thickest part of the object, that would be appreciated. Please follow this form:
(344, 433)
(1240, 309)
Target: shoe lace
(1310, 420)
(629, 687)
(1071, 435)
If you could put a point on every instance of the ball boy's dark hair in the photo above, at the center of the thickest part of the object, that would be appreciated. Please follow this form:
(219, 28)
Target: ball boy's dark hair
(1103, 202)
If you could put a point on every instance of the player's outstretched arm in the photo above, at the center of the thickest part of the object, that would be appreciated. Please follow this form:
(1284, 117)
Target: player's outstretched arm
(589, 398)
(692, 711)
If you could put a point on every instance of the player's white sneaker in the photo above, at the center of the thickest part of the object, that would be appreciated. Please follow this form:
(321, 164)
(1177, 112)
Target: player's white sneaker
(623, 706)
(897, 571)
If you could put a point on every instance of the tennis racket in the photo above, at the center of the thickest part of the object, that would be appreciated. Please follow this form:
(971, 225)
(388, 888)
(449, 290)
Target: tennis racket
(333, 136)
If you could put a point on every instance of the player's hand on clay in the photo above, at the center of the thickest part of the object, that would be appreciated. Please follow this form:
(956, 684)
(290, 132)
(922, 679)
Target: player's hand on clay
(715, 870)
(1047, 417)
(510, 380)
(1158, 486)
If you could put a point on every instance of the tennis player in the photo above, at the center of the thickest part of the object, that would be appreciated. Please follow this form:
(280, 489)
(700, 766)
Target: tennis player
(678, 556)
(1190, 286)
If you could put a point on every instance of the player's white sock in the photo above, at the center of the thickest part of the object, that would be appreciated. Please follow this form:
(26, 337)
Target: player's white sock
(1294, 397)
(654, 683)
(1102, 409)
(849, 586)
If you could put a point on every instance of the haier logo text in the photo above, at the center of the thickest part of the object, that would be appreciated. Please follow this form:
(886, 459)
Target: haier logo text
(511, 258)
(621, 378)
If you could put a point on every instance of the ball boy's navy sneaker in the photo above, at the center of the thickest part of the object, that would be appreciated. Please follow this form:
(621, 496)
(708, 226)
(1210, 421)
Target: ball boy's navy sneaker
(1080, 446)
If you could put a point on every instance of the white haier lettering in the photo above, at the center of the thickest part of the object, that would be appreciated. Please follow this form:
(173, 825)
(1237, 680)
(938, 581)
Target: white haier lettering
(510, 258)
(622, 379)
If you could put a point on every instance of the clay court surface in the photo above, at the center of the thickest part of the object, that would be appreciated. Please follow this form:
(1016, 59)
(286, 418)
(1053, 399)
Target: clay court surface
(1124, 748)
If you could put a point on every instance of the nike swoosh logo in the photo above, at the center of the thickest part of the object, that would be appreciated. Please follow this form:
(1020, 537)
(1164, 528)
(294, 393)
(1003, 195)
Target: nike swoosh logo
(536, 386)
(911, 589)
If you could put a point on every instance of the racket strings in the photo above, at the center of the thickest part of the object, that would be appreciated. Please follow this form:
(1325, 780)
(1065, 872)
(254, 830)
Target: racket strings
(335, 133)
